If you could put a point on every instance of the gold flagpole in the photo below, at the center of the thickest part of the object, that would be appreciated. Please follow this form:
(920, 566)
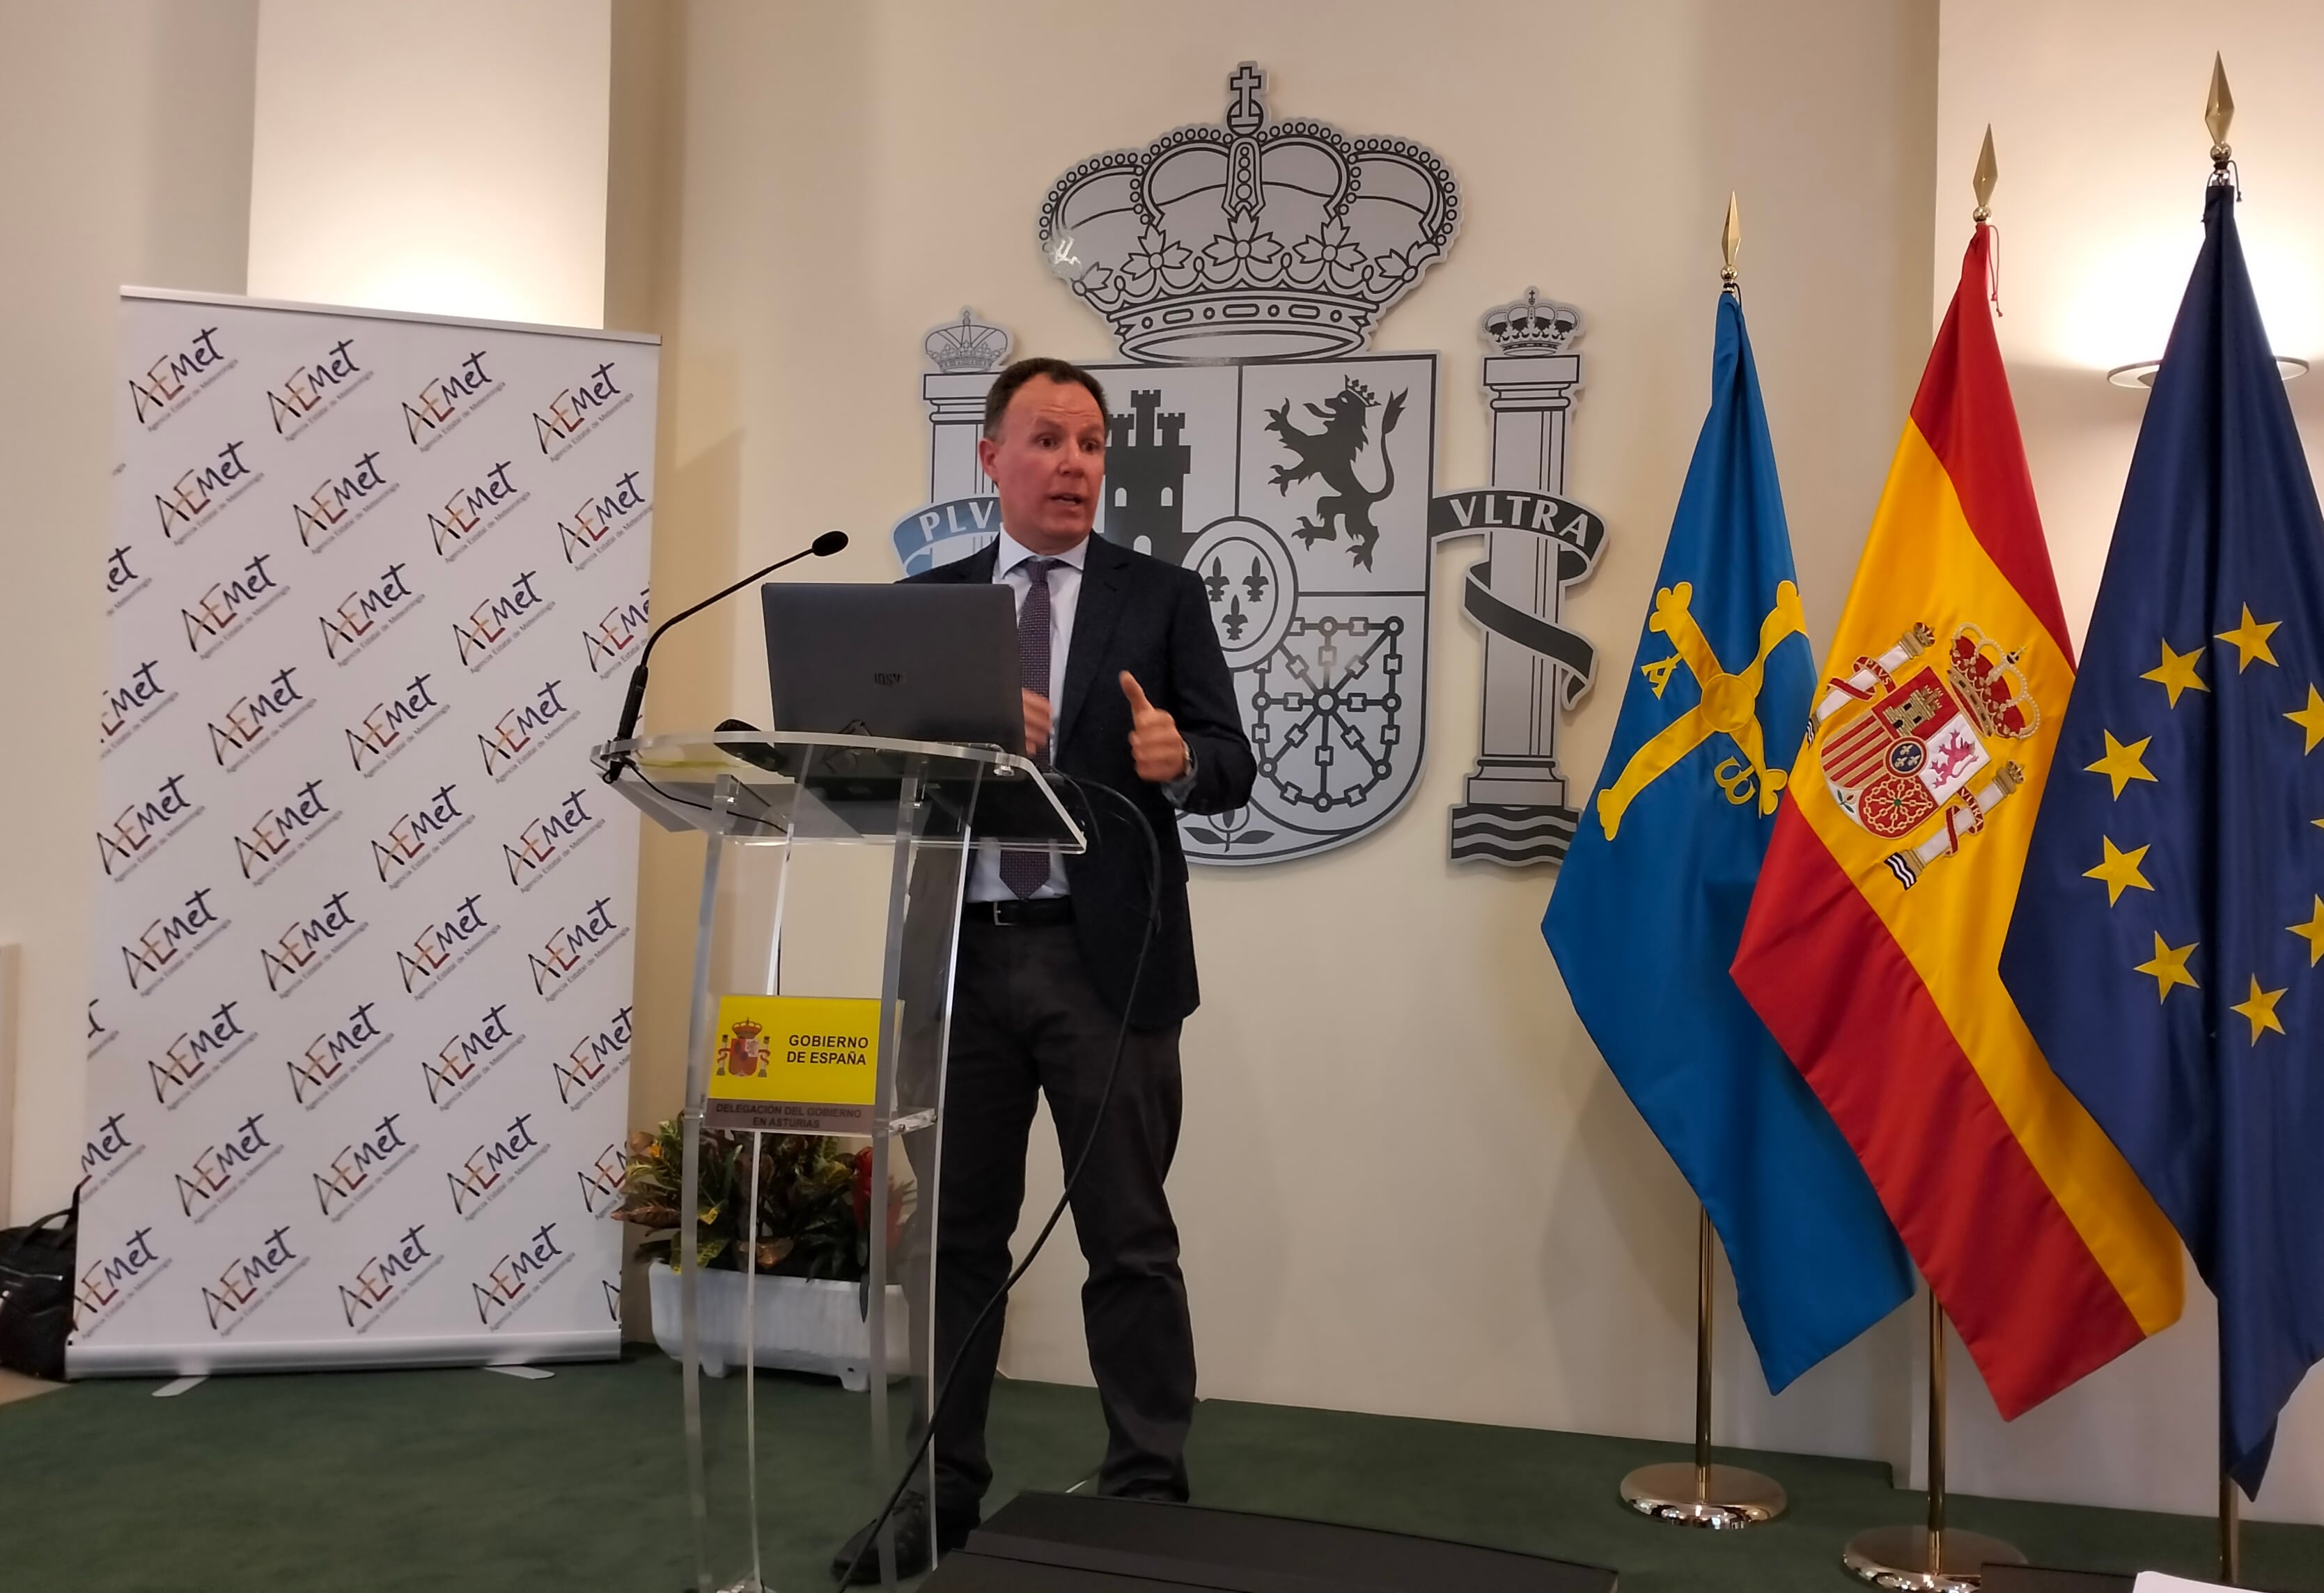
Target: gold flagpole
(2231, 1532)
(1703, 1495)
(1700, 1494)
(1934, 1559)
(2219, 114)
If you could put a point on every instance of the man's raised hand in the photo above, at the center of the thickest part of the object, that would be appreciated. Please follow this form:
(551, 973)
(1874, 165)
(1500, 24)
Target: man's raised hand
(1155, 744)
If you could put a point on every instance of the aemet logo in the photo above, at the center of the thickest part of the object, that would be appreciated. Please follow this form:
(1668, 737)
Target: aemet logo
(256, 717)
(100, 1034)
(276, 835)
(248, 1281)
(435, 951)
(474, 510)
(105, 1153)
(366, 614)
(313, 387)
(168, 942)
(105, 1285)
(418, 836)
(565, 955)
(601, 1181)
(175, 378)
(335, 1053)
(123, 579)
(575, 411)
(492, 625)
(122, 710)
(194, 499)
(490, 1167)
(523, 731)
(597, 1058)
(608, 642)
(361, 1165)
(341, 501)
(517, 1276)
(467, 1055)
(309, 942)
(219, 1172)
(546, 842)
(391, 723)
(447, 400)
(386, 1278)
(602, 518)
(194, 1057)
(226, 608)
(138, 830)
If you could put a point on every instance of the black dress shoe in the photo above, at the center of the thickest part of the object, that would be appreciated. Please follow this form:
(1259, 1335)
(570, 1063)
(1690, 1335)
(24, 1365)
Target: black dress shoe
(857, 1563)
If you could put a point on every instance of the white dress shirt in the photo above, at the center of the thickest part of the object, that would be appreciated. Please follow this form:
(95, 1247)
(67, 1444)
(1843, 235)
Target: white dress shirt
(984, 881)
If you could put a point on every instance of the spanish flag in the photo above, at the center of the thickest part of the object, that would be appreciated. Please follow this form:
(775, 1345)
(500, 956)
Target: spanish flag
(1873, 945)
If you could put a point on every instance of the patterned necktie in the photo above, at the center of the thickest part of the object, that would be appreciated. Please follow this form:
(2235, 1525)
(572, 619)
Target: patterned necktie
(1026, 872)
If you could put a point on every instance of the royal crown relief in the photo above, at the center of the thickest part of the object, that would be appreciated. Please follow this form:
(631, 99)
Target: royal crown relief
(1256, 437)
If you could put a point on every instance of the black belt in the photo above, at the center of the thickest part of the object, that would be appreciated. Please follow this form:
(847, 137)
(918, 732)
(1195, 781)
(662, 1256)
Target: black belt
(1030, 911)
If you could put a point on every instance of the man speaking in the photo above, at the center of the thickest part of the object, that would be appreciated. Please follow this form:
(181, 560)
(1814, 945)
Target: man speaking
(1125, 686)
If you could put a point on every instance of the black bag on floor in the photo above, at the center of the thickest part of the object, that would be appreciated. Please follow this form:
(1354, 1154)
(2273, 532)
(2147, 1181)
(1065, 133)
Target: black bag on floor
(36, 1269)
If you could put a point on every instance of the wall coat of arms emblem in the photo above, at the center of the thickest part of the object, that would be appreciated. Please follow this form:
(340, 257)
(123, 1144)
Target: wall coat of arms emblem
(1257, 437)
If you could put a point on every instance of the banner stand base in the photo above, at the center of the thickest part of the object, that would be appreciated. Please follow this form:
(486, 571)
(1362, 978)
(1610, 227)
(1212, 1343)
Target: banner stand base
(202, 1360)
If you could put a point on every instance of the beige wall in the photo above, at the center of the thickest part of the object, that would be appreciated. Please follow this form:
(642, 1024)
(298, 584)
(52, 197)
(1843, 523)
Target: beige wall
(1519, 1249)
(2097, 110)
(442, 156)
(124, 157)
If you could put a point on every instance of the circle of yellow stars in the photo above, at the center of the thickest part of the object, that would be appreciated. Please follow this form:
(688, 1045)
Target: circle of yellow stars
(2123, 764)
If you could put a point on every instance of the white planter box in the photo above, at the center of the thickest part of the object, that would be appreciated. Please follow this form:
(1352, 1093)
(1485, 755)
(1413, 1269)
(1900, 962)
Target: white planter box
(804, 1325)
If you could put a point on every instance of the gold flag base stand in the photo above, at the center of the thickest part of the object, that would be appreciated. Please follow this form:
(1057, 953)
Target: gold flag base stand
(1721, 1497)
(1899, 1557)
(1932, 1559)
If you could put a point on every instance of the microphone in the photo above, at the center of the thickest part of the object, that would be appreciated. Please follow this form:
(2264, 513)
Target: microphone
(823, 547)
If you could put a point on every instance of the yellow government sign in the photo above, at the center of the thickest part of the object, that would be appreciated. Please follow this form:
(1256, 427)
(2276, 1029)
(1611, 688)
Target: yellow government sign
(794, 1064)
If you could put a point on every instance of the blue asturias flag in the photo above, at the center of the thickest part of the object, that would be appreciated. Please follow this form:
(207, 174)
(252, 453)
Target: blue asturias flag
(2164, 948)
(1649, 903)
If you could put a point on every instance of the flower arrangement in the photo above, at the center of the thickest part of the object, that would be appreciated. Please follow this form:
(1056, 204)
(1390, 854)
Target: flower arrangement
(815, 1201)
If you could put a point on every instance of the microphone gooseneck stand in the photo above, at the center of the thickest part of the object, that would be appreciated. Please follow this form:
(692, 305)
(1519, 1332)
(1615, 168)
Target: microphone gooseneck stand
(823, 547)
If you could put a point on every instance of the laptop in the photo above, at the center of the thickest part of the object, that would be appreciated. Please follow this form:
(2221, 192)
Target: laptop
(911, 662)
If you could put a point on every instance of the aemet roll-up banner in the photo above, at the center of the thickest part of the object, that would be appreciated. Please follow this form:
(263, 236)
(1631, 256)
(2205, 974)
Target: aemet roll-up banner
(361, 1020)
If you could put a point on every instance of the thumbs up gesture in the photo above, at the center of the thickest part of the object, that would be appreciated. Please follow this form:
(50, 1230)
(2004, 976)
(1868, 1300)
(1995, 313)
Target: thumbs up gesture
(1155, 744)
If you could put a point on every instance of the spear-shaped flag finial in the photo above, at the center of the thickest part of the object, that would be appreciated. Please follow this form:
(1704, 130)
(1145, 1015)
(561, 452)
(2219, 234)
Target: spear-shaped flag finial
(1730, 239)
(2218, 111)
(1986, 175)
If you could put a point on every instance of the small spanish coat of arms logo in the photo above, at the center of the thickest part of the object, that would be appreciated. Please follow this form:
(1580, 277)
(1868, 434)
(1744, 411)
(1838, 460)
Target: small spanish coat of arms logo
(1256, 439)
(745, 1054)
(1903, 740)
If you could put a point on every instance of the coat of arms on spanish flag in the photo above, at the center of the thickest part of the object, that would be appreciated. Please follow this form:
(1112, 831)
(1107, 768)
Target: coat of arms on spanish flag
(1873, 945)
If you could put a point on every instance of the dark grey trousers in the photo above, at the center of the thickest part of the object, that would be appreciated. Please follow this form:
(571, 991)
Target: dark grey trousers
(1027, 1023)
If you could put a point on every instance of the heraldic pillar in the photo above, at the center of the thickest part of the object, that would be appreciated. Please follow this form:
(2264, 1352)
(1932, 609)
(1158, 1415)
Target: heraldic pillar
(1514, 808)
(822, 1002)
(967, 354)
(1517, 762)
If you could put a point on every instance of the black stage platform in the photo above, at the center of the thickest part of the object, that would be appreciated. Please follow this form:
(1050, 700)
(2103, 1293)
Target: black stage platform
(2034, 1579)
(1078, 1544)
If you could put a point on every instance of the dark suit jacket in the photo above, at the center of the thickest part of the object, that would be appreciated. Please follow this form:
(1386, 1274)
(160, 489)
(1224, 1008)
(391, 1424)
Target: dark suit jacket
(1137, 614)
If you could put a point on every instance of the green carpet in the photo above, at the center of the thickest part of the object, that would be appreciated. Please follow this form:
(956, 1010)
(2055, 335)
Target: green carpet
(461, 1481)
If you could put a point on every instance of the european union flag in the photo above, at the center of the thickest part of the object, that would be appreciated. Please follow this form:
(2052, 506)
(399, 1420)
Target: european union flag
(2165, 943)
(1651, 899)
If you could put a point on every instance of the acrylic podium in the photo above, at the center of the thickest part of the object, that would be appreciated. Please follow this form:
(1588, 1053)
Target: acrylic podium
(822, 994)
